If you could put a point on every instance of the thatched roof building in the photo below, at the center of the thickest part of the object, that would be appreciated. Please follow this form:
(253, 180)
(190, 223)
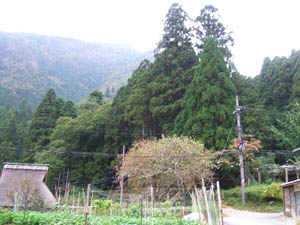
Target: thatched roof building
(13, 176)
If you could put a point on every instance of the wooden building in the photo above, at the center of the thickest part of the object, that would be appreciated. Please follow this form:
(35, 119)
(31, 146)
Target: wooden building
(291, 198)
(13, 176)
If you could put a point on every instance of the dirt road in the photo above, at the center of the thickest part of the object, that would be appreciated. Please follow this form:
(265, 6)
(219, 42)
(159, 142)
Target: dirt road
(237, 217)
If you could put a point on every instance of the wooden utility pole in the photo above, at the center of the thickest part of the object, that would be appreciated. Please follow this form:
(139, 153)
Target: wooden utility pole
(241, 146)
(122, 179)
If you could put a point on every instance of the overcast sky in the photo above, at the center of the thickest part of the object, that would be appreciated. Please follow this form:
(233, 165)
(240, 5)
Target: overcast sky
(261, 27)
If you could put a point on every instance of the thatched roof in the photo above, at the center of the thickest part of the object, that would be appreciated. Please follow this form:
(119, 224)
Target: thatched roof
(13, 174)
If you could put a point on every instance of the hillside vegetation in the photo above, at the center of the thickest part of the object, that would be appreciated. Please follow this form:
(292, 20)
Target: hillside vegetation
(31, 64)
(189, 89)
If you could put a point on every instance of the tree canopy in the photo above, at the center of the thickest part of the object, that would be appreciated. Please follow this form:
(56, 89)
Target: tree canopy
(172, 164)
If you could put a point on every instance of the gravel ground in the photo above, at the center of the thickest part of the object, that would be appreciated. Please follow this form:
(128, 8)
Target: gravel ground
(237, 217)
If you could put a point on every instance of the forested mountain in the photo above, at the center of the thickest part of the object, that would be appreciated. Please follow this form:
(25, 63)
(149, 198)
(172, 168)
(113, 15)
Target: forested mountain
(189, 89)
(31, 64)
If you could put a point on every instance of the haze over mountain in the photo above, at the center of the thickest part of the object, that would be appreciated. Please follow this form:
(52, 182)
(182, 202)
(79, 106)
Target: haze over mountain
(30, 64)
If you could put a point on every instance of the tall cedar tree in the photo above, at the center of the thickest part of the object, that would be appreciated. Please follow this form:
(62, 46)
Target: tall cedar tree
(44, 120)
(137, 109)
(208, 24)
(175, 57)
(209, 100)
(130, 109)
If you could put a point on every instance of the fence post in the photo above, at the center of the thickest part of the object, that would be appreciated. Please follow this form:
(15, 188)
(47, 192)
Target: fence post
(220, 203)
(259, 175)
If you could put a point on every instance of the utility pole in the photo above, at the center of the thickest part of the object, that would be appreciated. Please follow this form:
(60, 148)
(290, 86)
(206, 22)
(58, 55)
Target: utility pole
(241, 147)
(122, 179)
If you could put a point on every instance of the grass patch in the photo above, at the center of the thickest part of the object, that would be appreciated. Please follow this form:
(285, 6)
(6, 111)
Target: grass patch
(255, 200)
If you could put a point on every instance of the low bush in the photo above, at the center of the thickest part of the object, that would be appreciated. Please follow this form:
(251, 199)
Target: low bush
(272, 191)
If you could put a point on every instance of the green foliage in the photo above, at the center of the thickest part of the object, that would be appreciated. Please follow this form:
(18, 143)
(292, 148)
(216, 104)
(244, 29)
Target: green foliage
(256, 201)
(105, 207)
(272, 191)
(209, 100)
(36, 218)
(279, 80)
(134, 210)
(287, 131)
(85, 133)
(208, 25)
(44, 121)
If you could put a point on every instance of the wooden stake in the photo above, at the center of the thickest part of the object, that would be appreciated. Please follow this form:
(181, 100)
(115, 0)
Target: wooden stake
(259, 176)
(121, 181)
(286, 174)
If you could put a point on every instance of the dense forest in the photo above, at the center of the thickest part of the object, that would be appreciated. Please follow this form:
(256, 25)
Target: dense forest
(31, 64)
(189, 89)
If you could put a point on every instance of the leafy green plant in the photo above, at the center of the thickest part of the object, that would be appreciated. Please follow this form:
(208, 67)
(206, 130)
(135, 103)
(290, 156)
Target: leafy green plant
(134, 210)
(36, 218)
(272, 191)
(106, 207)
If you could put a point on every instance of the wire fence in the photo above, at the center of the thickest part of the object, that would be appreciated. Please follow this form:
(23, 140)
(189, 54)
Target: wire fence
(200, 204)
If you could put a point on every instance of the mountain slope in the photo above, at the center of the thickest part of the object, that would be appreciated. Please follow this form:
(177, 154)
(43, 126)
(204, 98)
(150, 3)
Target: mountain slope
(31, 64)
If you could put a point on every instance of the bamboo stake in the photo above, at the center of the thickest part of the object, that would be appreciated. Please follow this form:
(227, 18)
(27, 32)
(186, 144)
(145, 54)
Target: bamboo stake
(78, 203)
(220, 203)
(214, 202)
(87, 204)
(73, 202)
(84, 200)
(91, 204)
(152, 204)
(198, 202)
(206, 203)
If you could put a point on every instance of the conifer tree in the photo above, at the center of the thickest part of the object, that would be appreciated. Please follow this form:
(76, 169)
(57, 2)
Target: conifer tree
(209, 100)
(171, 68)
(42, 124)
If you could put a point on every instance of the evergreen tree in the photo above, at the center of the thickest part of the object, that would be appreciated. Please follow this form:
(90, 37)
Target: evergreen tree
(85, 133)
(209, 100)
(42, 124)
(208, 25)
(171, 68)
(69, 109)
(137, 109)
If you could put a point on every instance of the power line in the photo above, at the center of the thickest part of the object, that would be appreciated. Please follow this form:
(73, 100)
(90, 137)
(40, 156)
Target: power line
(73, 153)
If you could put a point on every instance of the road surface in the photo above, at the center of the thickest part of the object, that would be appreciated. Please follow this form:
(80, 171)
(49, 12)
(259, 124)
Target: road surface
(237, 217)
